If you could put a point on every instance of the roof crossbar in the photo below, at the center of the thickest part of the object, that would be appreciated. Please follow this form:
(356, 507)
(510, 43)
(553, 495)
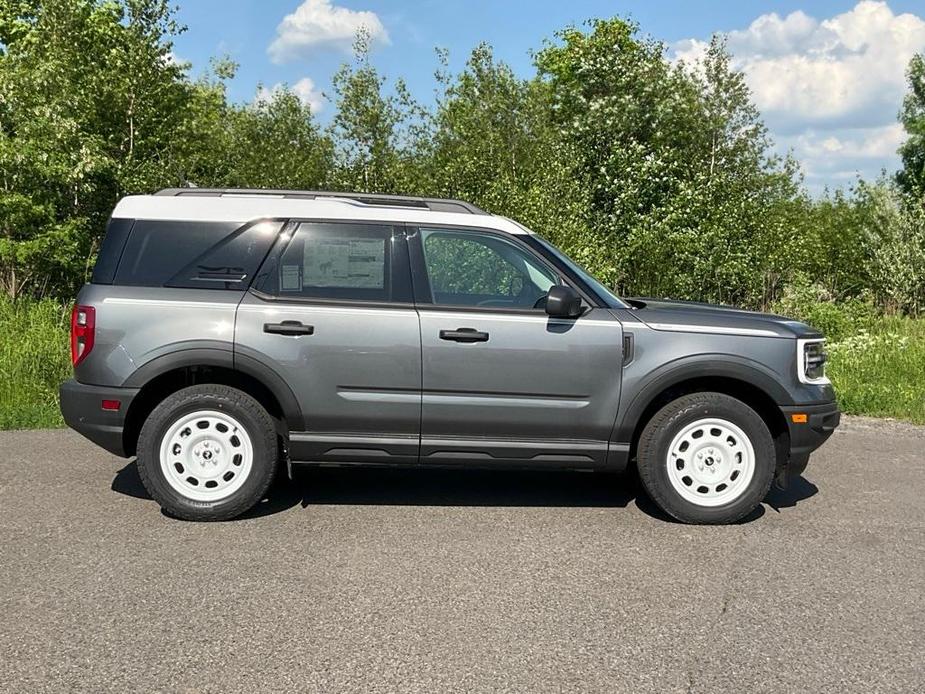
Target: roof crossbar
(433, 204)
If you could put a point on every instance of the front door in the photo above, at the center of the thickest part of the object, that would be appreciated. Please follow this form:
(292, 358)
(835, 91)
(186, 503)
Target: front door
(331, 313)
(503, 382)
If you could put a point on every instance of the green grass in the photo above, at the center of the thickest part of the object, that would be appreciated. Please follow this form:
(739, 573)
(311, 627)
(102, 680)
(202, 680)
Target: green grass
(878, 369)
(34, 360)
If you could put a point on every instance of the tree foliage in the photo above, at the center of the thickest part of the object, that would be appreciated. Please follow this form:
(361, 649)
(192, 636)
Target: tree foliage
(94, 106)
(658, 176)
(912, 176)
(90, 104)
(372, 127)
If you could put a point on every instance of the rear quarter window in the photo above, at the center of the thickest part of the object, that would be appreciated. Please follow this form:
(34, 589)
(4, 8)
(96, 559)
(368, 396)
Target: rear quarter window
(200, 255)
(117, 232)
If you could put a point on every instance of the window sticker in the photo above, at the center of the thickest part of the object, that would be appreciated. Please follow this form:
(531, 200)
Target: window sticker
(291, 279)
(333, 262)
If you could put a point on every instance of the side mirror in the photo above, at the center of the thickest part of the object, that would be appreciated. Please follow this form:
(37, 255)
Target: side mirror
(563, 302)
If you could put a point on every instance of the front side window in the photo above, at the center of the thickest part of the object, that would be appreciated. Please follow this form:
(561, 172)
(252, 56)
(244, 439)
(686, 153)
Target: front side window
(476, 269)
(332, 261)
(609, 298)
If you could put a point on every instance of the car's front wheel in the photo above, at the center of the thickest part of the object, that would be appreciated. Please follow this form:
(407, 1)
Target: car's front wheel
(207, 452)
(706, 458)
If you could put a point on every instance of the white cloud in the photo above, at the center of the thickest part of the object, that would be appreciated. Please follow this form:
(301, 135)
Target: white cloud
(317, 24)
(871, 143)
(838, 80)
(172, 59)
(304, 89)
(835, 157)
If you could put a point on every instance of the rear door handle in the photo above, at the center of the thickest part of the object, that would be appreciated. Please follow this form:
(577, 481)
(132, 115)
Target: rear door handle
(289, 327)
(464, 335)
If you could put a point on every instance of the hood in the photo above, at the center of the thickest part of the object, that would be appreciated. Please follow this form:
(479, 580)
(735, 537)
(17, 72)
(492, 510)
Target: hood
(692, 316)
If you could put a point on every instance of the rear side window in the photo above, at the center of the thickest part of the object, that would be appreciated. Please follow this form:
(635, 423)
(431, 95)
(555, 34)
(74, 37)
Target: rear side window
(201, 255)
(351, 262)
(232, 262)
(117, 231)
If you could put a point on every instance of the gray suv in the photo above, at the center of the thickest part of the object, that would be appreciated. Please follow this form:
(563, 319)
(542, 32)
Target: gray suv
(227, 334)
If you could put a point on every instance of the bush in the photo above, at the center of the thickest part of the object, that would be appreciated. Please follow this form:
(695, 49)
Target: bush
(898, 265)
(812, 303)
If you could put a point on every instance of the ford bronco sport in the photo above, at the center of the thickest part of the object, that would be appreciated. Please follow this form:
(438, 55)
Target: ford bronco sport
(227, 334)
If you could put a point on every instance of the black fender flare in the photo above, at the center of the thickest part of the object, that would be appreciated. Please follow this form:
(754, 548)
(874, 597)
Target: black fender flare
(222, 355)
(697, 366)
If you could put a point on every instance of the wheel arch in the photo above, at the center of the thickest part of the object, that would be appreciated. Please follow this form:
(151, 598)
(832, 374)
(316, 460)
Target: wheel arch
(739, 378)
(166, 374)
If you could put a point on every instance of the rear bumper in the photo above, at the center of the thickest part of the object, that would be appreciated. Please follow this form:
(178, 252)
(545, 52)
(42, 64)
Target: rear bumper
(821, 421)
(81, 406)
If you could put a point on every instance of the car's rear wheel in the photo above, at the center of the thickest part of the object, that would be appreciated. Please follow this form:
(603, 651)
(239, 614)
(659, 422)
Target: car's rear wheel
(706, 458)
(207, 452)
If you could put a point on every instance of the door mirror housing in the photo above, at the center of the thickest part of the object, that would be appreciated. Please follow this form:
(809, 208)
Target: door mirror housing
(563, 302)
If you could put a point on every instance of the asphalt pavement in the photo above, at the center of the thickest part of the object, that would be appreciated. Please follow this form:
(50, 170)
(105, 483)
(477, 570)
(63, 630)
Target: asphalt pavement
(366, 580)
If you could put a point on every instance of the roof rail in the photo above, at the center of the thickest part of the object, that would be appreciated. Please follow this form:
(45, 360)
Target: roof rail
(433, 204)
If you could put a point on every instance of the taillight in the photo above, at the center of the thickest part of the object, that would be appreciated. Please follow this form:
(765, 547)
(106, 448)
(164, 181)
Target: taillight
(83, 329)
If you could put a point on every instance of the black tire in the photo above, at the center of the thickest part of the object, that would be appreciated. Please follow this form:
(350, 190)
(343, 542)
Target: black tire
(652, 456)
(259, 426)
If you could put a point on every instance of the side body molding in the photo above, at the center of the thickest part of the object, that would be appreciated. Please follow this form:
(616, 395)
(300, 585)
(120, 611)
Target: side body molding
(637, 397)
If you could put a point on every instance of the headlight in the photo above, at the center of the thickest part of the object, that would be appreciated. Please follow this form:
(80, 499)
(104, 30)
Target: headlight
(811, 359)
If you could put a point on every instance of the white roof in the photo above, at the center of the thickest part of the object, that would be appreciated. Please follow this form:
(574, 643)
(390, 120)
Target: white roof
(244, 208)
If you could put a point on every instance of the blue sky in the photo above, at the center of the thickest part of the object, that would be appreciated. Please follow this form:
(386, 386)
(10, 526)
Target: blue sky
(827, 75)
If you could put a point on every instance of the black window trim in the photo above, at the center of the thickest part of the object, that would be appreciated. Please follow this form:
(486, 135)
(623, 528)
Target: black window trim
(421, 282)
(286, 235)
(312, 301)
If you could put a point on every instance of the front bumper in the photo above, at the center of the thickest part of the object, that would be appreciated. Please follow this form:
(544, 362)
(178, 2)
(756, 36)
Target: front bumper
(806, 437)
(82, 408)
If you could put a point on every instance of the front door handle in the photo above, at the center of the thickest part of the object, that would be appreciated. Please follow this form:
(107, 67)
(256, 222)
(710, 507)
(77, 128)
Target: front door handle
(289, 327)
(464, 335)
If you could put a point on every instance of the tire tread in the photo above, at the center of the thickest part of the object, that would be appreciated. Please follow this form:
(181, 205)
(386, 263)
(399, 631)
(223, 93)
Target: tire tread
(662, 424)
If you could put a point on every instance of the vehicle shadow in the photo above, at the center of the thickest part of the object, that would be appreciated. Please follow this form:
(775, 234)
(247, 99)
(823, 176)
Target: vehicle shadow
(312, 485)
(797, 490)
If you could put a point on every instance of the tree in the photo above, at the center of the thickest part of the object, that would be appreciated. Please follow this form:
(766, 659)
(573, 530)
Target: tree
(684, 192)
(276, 143)
(911, 177)
(841, 238)
(90, 99)
(493, 143)
(656, 175)
(372, 128)
(487, 132)
(893, 223)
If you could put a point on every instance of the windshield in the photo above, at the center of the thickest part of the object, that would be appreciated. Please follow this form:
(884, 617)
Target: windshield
(611, 299)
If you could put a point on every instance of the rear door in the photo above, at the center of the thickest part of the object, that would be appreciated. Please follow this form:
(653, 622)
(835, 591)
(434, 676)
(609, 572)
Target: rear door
(503, 382)
(331, 312)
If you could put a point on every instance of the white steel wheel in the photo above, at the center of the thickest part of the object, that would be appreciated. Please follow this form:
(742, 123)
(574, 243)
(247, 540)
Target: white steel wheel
(710, 462)
(206, 455)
